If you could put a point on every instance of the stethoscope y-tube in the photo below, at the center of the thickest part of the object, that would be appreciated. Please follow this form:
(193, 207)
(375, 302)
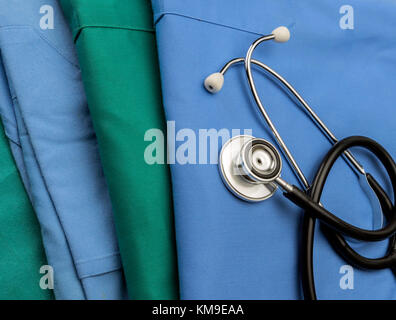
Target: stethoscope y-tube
(255, 176)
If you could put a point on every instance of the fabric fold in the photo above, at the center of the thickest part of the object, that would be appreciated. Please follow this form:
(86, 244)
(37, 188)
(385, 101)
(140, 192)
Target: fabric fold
(21, 248)
(59, 151)
(116, 48)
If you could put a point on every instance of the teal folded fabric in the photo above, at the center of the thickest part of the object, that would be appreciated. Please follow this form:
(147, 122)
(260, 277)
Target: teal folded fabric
(21, 248)
(115, 43)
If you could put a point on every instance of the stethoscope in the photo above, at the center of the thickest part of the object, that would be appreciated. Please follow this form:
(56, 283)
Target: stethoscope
(251, 169)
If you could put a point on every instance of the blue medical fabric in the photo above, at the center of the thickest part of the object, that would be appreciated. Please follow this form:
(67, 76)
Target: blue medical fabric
(45, 114)
(8, 118)
(231, 249)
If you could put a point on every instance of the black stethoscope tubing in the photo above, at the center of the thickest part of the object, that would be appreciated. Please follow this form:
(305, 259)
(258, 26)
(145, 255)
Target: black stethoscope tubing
(335, 228)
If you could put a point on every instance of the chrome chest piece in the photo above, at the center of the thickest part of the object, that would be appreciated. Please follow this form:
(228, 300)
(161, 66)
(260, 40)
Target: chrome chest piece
(249, 166)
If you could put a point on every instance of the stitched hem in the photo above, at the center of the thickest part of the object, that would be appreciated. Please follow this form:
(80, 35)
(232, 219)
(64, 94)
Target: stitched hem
(99, 258)
(99, 265)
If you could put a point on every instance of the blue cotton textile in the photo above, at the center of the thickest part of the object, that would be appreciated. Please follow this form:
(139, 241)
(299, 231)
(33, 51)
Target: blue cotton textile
(230, 249)
(46, 118)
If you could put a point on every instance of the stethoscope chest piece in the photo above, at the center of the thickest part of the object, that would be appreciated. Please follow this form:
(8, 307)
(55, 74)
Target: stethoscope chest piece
(248, 167)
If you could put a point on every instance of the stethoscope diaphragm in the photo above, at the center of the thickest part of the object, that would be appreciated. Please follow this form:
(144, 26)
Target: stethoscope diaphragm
(248, 167)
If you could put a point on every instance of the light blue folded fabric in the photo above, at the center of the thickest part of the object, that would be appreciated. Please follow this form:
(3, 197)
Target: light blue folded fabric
(10, 127)
(46, 118)
(231, 249)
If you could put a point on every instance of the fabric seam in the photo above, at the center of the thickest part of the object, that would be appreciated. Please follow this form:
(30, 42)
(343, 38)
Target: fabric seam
(16, 27)
(205, 21)
(111, 257)
(114, 254)
(79, 29)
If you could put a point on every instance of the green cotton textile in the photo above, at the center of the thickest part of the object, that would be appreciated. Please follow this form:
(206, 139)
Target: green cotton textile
(116, 47)
(21, 248)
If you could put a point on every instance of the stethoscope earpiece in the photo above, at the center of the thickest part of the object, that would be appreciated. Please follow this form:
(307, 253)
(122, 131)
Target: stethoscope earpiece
(214, 82)
(282, 34)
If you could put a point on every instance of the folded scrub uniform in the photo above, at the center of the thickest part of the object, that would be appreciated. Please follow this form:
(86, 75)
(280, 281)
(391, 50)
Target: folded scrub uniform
(58, 155)
(21, 247)
(233, 249)
(117, 53)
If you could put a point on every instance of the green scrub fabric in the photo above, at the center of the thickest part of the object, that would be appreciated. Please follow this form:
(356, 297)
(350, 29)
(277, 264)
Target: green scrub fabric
(21, 248)
(116, 47)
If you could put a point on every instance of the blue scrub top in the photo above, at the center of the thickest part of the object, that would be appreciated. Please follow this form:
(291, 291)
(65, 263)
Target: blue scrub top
(45, 114)
(343, 61)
